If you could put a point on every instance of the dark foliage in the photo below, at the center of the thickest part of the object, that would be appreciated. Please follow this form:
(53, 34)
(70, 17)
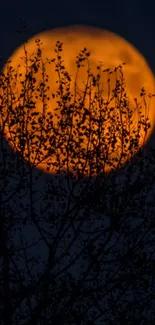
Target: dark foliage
(93, 272)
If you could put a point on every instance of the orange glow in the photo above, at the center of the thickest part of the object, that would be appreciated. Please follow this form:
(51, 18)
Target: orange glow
(104, 47)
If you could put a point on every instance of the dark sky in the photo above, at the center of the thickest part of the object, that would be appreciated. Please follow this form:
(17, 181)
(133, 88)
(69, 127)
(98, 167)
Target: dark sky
(131, 19)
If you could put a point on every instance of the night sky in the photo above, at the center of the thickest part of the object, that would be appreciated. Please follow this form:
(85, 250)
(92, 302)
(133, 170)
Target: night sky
(133, 20)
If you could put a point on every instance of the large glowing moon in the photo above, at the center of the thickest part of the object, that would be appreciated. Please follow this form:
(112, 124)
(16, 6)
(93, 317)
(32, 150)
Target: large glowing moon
(105, 47)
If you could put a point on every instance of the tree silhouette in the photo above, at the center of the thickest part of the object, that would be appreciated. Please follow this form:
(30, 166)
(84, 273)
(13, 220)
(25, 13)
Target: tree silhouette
(92, 273)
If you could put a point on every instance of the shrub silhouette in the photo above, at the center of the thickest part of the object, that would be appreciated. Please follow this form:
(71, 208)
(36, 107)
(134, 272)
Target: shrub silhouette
(83, 131)
(91, 269)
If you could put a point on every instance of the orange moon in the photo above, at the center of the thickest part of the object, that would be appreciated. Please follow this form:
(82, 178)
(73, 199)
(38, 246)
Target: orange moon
(104, 46)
